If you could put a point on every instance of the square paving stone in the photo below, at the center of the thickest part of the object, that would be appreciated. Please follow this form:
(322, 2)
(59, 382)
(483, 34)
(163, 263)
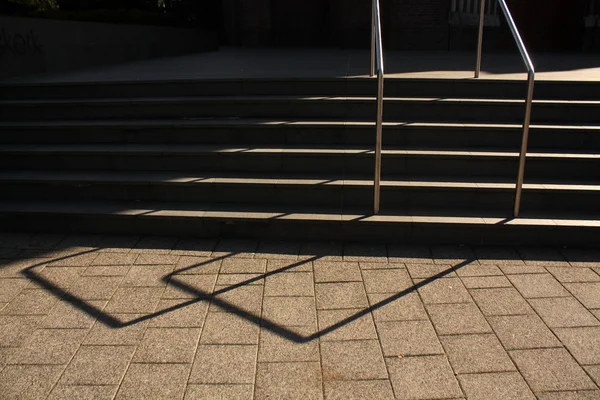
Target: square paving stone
(156, 259)
(594, 372)
(456, 319)
(194, 247)
(59, 277)
(476, 269)
(49, 346)
(476, 353)
(547, 257)
(379, 265)
(168, 345)
(147, 275)
(236, 248)
(31, 302)
(278, 250)
(522, 269)
(352, 360)
(290, 311)
(485, 282)
(154, 381)
(365, 252)
(197, 265)
(28, 381)
(325, 251)
(15, 329)
(224, 364)
(289, 381)
(454, 255)
(281, 266)
(563, 312)
(106, 259)
(386, 280)
(571, 395)
(77, 260)
(240, 279)
(358, 390)
(290, 284)
(129, 334)
(501, 301)
(225, 328)
(331, 271)
(9, 288)
(243, 266)
(181, 313)
(587, 293)
(14, 268)
(570, 274)
(335, 325)
(95, 287)
(409, 254)
(551, 369)
(340, 295)
(78, 392)
(98, 365)
(134, 300)
(523, 332)
(396, 307)
(538, 285)
(155, 244)
(443, 291)
(495, 386)
(498, 256)
(428, 377)
(423, 271)
(106, 270)
(408, 338)
(276, 348)
(219, 392)
(189, 286)
(583, 343)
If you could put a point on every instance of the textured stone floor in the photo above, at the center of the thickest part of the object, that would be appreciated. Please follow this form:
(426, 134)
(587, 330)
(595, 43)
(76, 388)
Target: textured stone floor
(102, 317)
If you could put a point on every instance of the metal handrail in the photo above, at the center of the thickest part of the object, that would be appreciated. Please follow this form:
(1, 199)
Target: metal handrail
(530, 83)
(377, 67)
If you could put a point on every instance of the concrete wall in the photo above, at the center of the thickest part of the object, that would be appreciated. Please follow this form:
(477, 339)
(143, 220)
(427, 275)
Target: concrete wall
(30, 45)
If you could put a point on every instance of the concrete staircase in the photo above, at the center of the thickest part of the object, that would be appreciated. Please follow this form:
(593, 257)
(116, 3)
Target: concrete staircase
(293, 159)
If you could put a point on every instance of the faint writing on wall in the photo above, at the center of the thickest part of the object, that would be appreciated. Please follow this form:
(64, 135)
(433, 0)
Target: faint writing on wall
(19, 44)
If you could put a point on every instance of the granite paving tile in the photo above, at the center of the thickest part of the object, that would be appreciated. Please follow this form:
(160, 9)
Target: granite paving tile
(290, 311)
(286, 250)
(167, 345)
(117, 243)
(115, 259)
(476, 269)
(390, 307)
(219, 364)
(68, 315)
(155, 244)
(10, 287)
(197, 265)
(523, 332)
(423, 271)
(563, 312)
(156, 259)
(219, 392)
(281, 266)
(547, 257)
(352, 360)
(587, 293)
(246, 298)
(276, 348)
(290, 284)
(290, 381)
(78, 392)
(58, 277)
(409, 254)
(180, 313)
(154, 381)
(453, 255)
(204, 284)
(340, 295)
(78, 260)
(28, 381)
(456, 319)
(538, 285)
(243, 266)
(428, 377)
(49, 346)
(381, 265)
(134, 300)
(14, 268)
(326, 251)
(358, 390)
(15, 329)
(408, 338)
(470, 354)
(498, 256)
(331, 271)
(485, 282)
(495, 386)
(239, 279)
(237, 248)
(572, 395)
(501, 301)
(31, 302)
(551, 369)
(594, 372)
(106, 270)
(365, 252)
(98, 365)
(334, 325)
(95, 287)
(146, 276)
(44, 240)
(226, 328)
(194, 247)
(443, 291)
(582, 257)
(386, 280)
(583, 343)
(129, 334)
(570, 274)
(522, 269)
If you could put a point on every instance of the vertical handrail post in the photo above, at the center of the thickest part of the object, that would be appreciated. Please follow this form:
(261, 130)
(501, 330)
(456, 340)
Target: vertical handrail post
(480, 38)
(373, 39)
(525, 139)
(379, 128)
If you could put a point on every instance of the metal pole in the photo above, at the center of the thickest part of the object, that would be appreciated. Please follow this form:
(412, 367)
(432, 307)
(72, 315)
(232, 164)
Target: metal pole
(523, 155)
(480, 39)
(373, 39)
(379, 128)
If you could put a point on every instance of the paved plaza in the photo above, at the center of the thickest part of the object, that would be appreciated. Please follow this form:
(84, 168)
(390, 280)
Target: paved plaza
(103, 317)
